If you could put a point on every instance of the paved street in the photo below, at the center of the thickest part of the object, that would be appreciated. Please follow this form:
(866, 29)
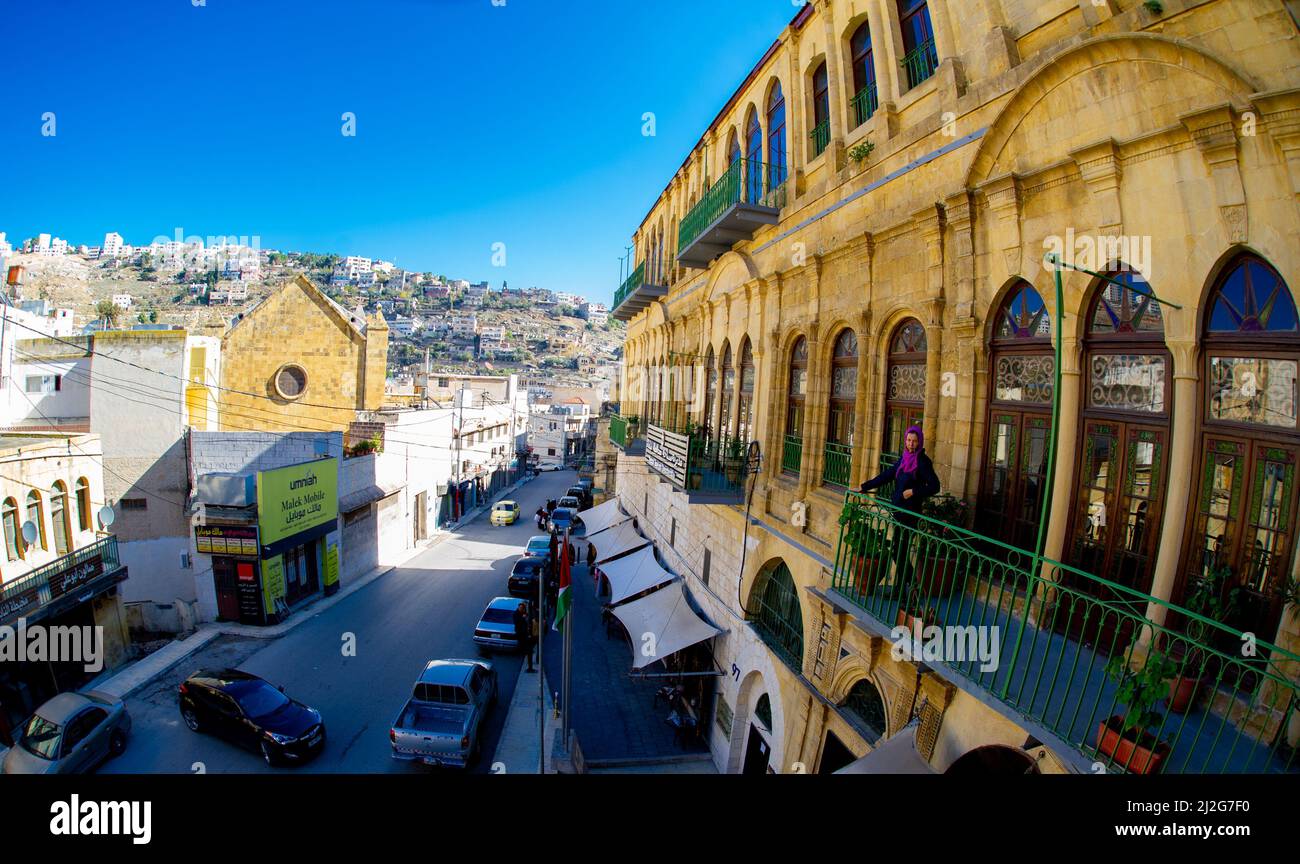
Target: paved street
(421, 611)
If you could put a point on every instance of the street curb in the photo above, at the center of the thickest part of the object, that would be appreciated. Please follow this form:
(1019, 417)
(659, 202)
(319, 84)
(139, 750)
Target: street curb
(521, 695)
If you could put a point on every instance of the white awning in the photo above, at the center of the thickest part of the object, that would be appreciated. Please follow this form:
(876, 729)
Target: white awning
(617, 541)
(632, 574)
(669, 618)
(898, 755)
(602, 516)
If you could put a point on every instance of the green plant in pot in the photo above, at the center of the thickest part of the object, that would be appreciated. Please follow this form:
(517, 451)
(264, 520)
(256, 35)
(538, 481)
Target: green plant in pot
(1128, 739)
(914, 614)
(866, 559)
(1208, 600)
(939, 560)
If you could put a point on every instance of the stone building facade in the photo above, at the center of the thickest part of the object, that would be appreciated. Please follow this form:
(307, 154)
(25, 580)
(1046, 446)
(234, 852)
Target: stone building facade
(900, 168)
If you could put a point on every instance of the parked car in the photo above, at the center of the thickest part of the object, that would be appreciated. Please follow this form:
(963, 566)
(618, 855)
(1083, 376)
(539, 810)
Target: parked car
(496, 628)
(70, 734)
(246, 710)
(580, 493)
(504, 513)
(573, 502)
(442, 723)
(564, 517)
(539, 546)
(524, 575)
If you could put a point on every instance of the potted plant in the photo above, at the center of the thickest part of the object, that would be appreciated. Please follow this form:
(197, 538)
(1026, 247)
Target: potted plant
(1207, 601)
(939, 560)
(1127, 739)
(867, 558)
(914, 614)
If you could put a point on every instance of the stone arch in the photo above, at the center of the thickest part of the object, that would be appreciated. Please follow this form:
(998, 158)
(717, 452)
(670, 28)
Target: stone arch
(754, 685)
(1047, 293)
(1088, 56)
(731, 271)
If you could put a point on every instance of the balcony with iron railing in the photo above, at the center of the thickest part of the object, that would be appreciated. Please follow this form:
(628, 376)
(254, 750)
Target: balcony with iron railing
(821, 137)
(837, 461)
(625, 434)
(710, 469)
(1075, 660)
(791, 454)
(865, 104)
(50, 587)
(748, 196)
(920, 63)
(636, 293)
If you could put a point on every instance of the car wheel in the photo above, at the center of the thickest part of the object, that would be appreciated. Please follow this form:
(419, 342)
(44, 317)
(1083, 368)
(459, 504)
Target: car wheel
(116, 744)
(268, 754)
(191, 719)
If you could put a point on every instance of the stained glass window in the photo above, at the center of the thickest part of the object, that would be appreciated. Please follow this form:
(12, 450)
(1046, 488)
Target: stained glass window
(1129, 308)
(1252, 298)
(1023, 316)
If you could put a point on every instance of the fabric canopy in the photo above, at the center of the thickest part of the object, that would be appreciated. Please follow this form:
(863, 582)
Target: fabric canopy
(669, 618)
(602, 516)
(898, 755)
(617, 541)
(632, 574)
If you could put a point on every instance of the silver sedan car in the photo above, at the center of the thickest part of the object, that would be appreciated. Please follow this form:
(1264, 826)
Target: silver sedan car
(70, 734)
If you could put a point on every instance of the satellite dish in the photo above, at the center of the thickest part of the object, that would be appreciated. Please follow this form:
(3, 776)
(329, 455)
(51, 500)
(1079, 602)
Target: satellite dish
(30, 532)
(106, 516)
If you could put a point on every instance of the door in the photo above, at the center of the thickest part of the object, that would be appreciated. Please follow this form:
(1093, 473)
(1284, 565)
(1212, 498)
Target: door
(79, 751)
(757, 753)
(1116, 528)
(225, 576)
(1015, 469)
(421, 516)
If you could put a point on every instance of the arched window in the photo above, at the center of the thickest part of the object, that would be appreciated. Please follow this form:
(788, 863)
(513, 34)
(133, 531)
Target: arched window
(821, 105)
(792, 449)
(866, 709)
(774, 611)
(904, 388)
(1244, 522)
(13, 531)
(36, 514)
(733, 149)
(710, 393)
(83, 504)
(59, 518)
(763, 711)
(864, 75)
(753, 158)
(838, 455)
(745, 414)
(776, 160)
(1019, 419)
(1123, 454)
(728, 394)
(920, 58)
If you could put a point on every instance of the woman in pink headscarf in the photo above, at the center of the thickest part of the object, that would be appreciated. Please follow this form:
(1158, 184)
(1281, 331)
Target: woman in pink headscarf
(914, 481)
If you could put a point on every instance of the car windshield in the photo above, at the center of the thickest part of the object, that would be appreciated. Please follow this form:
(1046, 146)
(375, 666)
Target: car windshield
(504, 507)
(525, 568)
(499, 616)
(41, 737)
(262, 699)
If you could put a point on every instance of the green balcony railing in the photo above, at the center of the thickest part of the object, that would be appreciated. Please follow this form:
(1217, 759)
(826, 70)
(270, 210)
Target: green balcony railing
(630, 284)
(716, 464)
(1073, 655)
(837, 460)
(22, 596)
(792, 454)
(821, 137)
(748, 181)
(865, 104)
(623, 431)
(920, 62)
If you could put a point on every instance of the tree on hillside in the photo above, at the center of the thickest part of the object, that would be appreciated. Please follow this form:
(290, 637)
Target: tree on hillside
(108, 312)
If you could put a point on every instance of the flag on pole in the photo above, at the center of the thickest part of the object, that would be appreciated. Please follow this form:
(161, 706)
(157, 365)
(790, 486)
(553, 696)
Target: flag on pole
(562, 598)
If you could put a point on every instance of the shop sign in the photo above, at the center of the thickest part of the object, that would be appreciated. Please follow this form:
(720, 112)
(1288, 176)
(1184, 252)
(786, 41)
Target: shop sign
(19, 603)
(331, 564)
(665, 453)
(238, 540)
(297, 498)
(723, 716)
(76, 576)
(272, 583)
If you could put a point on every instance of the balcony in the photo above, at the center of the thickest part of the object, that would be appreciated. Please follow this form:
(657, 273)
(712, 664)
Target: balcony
(920, 63)
(748, 196)
(837, 462)
(791, 454)
(1077, 661)
(636, 294)
(821, 137)
(63, 583)
(625, 434)
(710, 470)
(865, 104)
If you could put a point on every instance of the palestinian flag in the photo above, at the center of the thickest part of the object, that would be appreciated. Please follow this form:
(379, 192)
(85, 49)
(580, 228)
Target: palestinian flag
(563, 598)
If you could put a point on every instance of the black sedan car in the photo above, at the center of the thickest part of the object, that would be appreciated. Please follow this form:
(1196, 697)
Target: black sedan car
(524, 576)
(248, 711)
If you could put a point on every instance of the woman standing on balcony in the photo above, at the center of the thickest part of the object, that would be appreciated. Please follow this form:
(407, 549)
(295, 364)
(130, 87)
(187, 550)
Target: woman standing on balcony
(914, 481)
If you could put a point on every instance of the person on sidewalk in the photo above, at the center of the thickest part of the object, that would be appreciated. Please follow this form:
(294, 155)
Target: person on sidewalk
(540, 516)
(914, 481)
(524, 631)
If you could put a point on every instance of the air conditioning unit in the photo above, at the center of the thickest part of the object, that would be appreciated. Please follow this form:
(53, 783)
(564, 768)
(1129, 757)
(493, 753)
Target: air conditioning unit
(440, 489)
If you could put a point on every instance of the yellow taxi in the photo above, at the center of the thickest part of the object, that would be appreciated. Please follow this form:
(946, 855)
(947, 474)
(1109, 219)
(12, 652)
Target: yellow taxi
(505, 513)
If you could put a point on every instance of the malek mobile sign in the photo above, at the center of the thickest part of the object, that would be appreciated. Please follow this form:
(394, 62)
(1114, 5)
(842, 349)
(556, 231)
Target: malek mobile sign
(297, 498)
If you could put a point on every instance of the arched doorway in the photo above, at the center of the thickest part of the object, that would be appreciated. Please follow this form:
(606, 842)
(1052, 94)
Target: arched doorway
(841, 417)
(1243, 528)
(1019, 419)
(1122, 463)
(904, 388)
(792, 446)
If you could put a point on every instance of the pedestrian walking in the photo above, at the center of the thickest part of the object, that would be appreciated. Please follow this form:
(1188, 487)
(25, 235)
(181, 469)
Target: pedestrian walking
(914, 481)
(524, 632)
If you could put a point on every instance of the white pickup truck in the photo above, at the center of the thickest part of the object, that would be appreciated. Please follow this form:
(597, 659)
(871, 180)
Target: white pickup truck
(442, 723)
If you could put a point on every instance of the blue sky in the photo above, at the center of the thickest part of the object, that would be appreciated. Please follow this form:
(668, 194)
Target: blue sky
(476, 124)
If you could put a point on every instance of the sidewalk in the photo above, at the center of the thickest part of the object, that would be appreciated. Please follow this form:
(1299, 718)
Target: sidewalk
(135, 675)
(518, 748)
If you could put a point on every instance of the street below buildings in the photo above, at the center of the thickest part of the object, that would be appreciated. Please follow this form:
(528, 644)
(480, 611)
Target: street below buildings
(423, 610)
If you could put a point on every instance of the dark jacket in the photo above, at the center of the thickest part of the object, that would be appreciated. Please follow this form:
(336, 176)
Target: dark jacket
(523, 628)
(923, 482)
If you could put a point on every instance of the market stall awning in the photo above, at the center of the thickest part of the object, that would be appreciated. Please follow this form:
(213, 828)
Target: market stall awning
(632, 574)
(668, 616)
(898, 755)
(617, 541)
(602, 516)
